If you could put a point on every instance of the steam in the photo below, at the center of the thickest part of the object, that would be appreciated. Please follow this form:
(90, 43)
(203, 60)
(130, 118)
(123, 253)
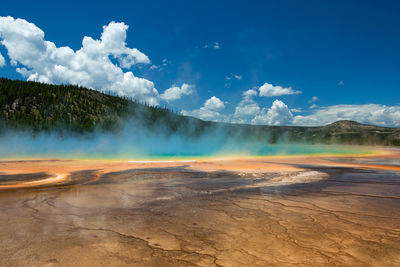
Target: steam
(137, 141)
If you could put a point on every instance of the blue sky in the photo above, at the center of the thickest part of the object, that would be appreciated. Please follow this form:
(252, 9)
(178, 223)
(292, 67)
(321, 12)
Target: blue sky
(346, 53)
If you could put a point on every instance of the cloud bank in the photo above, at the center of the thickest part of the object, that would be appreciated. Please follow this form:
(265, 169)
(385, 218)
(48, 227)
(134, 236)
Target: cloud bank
(249, 111)
(369, 113)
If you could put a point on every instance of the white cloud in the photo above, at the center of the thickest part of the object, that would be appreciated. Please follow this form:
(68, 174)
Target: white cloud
(297, 110)
(313, 99)
(155, 67)
(230, 77)
(370, 114)
(247, 108)
(313, 106)
(214, 45)
(278, 114)
(233, 76)
(2, 61)
(90, 66)
(249, 111)
(209, 111)
(175, 92)
(214, 103)
(269, 90)
(165, 62)
(250, 93)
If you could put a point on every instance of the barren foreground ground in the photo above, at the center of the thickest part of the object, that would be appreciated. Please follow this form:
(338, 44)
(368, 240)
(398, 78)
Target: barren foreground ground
(244, 212)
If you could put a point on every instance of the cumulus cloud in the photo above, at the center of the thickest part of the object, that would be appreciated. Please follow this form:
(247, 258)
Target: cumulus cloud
(313, 106)
(90, 66)
(209, 111)
(2, 61)
(214, 103)
(247, 108)
(249, 111)
(270, 90)
(175, 92)
(370, 114)
(278, 114)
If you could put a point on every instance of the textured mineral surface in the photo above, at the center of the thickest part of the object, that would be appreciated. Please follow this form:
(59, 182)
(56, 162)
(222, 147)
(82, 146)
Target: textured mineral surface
(275, 211)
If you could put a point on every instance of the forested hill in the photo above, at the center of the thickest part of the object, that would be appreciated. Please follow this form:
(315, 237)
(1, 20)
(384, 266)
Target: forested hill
(68, 109)
(37, 107)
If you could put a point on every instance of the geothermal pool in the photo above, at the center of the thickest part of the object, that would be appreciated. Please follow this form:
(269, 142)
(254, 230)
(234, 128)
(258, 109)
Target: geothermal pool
(321, 209)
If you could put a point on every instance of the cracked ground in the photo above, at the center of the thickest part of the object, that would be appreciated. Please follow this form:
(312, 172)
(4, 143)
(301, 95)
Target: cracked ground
(319, 212)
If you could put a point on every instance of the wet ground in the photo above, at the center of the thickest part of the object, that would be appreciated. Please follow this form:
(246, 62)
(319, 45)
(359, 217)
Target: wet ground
(263, 212)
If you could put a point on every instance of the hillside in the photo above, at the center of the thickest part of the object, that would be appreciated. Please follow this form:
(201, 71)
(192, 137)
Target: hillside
(38, 107)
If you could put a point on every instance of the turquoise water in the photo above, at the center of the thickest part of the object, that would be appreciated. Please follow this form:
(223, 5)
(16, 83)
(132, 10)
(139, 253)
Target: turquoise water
(137, 145)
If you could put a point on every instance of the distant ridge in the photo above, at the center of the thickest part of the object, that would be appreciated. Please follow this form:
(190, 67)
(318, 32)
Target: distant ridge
(67, 109)
(349, 124)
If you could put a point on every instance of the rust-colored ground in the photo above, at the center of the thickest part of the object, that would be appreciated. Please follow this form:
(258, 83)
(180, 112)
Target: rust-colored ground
(280, 211)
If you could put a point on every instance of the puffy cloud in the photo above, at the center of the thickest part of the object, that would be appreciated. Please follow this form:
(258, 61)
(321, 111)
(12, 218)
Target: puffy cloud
(175, 92)
(90, 66)
(313, 106)
(249, 93)
(209, 111)
(269, 90)
(2, 61)
(278, 114)
(247, 108)
(370, 114)
(214, 103)
(249, 111)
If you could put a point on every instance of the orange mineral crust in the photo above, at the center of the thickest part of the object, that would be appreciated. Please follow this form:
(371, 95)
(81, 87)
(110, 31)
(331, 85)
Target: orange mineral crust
(323, 210)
